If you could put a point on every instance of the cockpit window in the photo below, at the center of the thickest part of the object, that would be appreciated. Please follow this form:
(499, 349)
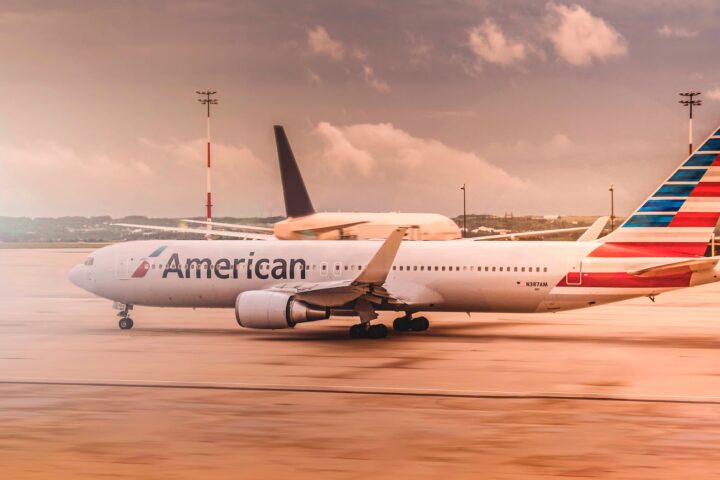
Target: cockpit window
(89, 261)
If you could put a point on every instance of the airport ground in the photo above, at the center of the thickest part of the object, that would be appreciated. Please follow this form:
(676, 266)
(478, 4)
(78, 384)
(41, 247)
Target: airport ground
(630, 390)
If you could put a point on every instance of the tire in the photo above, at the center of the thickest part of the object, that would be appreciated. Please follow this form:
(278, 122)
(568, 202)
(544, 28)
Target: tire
(419, 324)
(357, 331)
(401, 324)
(125, 324)
(378, 331)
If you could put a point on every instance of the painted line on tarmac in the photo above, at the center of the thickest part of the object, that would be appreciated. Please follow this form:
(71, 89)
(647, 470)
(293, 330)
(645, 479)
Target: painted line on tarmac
(360, 390)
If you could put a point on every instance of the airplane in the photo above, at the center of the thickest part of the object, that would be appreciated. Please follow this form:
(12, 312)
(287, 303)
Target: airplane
(277, 285)
(304, 223)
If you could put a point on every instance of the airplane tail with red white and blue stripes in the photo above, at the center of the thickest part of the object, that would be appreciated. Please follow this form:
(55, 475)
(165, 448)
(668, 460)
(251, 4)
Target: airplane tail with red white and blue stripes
(679, 218)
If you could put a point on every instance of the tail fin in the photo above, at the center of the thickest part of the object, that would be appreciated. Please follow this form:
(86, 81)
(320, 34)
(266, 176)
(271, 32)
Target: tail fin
(678, 219)
(297, 200)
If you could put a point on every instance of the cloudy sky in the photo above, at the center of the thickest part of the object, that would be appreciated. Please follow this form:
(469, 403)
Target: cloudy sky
(389, 105)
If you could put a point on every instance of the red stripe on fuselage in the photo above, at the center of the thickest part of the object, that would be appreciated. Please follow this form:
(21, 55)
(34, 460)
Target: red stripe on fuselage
(706, 189)
(625, 280)
(695, 219)
(650, 249)
(716, 162)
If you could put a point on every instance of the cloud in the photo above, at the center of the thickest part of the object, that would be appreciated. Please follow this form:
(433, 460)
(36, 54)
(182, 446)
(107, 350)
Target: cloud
(388, 166)
(580, 38)
(372, 80)
(676, 32)
(714, 94)
(159, 178)
(489, 44)
(321, 43)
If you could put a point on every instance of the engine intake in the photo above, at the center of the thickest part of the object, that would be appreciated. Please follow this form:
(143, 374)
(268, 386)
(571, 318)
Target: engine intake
(272, 310)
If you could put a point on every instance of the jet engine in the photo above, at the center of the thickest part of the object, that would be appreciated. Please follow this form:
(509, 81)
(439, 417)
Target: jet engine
(272, 310)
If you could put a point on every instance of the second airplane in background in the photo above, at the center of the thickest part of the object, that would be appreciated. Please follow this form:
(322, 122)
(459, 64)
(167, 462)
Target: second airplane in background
(304, 223)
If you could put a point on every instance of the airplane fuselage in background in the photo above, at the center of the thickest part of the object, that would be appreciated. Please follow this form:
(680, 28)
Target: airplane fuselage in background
(459, 276)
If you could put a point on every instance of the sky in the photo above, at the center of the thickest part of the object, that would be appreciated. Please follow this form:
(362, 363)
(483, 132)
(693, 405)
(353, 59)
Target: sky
(537, 106)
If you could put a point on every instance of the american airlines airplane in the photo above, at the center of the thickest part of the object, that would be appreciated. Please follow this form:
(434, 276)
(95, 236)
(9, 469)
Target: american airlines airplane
(274, 285)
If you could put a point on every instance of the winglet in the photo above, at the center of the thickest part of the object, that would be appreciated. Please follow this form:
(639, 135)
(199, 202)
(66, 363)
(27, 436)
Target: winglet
(379, 266)
(297, 200)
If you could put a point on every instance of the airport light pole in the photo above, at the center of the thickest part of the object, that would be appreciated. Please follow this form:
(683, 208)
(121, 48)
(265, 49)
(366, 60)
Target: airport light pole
(612, 208)
(689, 101)
(464, 232)
(208, 100)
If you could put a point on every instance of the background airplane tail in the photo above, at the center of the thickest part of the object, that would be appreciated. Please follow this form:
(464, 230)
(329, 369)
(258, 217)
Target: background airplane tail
(297, 200)
(678, 219)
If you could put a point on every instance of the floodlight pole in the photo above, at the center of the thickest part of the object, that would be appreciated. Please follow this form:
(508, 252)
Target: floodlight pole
(690, 103)
(208, 100)
(464, 232)
(612, 208)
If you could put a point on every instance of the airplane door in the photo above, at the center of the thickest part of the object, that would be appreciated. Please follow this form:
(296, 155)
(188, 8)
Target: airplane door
(574, 273)
(122, 267)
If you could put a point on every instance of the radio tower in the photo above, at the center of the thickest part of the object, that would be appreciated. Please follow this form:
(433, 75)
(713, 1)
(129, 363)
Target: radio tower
(208, 100)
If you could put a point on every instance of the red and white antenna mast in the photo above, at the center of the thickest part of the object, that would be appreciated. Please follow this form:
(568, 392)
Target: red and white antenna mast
(208, 100)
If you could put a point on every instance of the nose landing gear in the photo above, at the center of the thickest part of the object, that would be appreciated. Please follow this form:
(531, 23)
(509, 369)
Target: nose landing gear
(125, 323)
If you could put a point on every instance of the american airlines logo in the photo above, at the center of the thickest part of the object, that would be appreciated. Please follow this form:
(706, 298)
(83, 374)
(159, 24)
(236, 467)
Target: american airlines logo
(226, 268)
(144, 266)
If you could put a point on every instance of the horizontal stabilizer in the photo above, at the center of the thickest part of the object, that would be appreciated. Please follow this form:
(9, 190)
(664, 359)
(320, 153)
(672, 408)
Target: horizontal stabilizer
(676, 268)
(593, 233)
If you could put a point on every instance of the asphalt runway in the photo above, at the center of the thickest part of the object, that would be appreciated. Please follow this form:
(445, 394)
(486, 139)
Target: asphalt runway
(630, 390)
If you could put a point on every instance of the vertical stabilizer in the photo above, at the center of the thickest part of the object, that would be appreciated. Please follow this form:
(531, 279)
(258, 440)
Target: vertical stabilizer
(679, 218)
(297, 200)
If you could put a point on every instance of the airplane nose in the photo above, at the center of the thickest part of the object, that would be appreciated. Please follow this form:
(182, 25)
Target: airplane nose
(77, 275)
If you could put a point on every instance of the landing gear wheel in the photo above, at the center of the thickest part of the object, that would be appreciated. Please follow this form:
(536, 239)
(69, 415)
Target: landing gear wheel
(377, 331)
(125, 323)
(358, 331)
(419, 324)
(402, 324)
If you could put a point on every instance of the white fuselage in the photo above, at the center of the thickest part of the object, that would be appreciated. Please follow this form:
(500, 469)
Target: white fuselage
(463, 276)
(368, 225)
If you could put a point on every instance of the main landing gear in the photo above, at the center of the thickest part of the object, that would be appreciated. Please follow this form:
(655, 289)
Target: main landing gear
(365, 330)
(125, 323)
(401, 324)
(417, 324)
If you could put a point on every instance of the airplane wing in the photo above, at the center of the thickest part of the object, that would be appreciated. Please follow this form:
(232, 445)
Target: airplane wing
(230, 225)
(203, 231)
(537, 233)
(593, 233)
(368, 285)
(676, 268)
(329, 228)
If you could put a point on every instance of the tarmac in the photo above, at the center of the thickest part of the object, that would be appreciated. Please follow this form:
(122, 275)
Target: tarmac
(629, 390)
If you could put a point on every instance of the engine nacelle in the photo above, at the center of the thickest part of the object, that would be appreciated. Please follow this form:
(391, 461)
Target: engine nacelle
(271, 310)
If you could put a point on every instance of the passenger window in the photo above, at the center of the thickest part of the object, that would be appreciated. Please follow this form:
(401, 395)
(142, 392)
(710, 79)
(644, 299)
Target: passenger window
(545, 269)
(493, 269)
(422, 268)
(443, 268)
(522, 269)
(414, 268)
(515, 269)
(501, 269)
